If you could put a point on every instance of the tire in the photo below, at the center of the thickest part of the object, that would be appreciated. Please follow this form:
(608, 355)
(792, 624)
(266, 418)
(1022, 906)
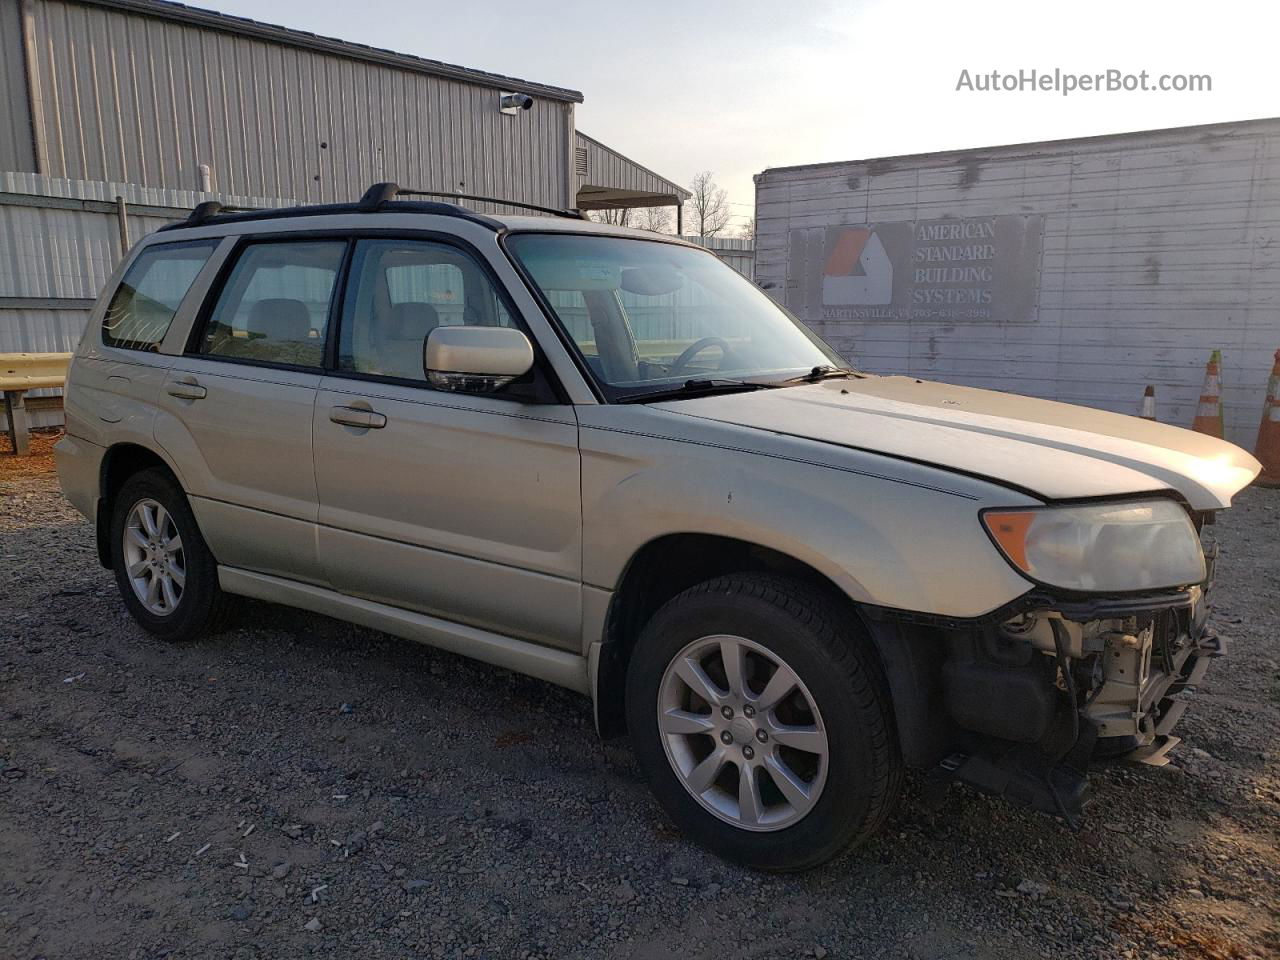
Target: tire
(770, 624)
(198, 606)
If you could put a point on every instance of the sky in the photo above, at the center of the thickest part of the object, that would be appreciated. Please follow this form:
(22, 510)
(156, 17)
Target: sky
(735, 86)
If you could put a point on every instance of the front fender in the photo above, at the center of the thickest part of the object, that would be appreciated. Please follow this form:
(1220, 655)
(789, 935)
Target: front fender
(887, 533)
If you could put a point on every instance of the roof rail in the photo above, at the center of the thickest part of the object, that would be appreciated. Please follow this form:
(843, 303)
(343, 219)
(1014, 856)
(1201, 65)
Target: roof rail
(203, 211)
(377, 197)
(381, 193)
(212, 213)
(208, 209)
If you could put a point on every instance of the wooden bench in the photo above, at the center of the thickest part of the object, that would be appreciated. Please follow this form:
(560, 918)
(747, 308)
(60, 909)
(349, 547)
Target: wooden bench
(20, 372)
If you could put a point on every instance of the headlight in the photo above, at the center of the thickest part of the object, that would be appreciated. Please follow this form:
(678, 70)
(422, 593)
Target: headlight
(1104, 546)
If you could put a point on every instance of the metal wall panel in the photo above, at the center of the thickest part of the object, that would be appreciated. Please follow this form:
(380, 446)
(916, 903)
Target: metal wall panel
(1157, 248)
(16, 149)
(49, 251)
(41, 331)
(138, 99)
(55, 253)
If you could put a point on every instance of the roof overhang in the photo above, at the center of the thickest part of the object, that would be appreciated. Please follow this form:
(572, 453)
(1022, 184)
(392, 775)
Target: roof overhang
(613, 198)
(613, 181)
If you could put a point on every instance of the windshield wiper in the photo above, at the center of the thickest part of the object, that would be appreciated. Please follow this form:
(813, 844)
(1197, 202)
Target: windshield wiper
(696, 388)
(823, 372)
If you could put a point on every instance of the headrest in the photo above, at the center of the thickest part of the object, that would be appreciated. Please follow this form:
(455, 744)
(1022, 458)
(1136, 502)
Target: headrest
(278, 318)
(411, 321)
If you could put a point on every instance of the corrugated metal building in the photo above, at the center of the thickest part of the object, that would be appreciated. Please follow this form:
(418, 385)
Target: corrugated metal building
(137, 91)
(1077, 270)
(164, 95)
(158, 106)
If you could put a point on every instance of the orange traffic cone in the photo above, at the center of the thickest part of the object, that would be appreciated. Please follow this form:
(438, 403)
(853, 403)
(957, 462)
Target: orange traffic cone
(1148, 403)
(1268, 449)
(1209, 413)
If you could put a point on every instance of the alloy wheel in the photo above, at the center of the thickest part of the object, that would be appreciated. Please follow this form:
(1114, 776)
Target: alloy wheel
(153, 557)
(742, 732)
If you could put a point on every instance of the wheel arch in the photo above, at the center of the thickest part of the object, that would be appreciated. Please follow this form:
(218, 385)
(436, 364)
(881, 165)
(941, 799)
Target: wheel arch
(669, 564)
(120, 462)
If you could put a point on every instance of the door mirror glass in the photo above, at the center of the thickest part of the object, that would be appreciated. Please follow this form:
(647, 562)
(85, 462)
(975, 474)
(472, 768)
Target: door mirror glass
(475, 359)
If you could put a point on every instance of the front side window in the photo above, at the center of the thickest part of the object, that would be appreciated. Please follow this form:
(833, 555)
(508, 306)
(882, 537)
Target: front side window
(648, 316)
(274, 306)
(401, 290)
(143, 306)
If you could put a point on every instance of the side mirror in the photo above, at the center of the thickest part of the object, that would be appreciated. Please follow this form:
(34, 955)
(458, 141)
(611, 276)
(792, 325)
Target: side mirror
(475, 359)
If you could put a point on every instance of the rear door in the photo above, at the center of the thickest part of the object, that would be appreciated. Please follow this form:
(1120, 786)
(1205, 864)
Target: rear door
(236, 408)
(459, 505)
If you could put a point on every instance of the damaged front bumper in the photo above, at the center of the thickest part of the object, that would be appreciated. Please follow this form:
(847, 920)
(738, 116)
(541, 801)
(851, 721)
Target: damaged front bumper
(1149, 669)
(1147, 687)
(1144, 669)
(1038, 694)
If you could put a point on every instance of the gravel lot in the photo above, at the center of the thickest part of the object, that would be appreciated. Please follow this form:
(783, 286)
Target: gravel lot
(298, 787)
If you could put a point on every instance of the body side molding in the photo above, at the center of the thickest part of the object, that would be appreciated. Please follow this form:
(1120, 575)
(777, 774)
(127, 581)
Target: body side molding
(556, 666)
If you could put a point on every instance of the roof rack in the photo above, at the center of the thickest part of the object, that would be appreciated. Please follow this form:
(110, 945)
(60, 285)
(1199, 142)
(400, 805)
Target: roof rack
(377, 197)
(207, 209)
(211, 213)
(381, 193)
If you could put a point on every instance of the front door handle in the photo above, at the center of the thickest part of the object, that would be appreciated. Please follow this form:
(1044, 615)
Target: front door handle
(356, 417)
(186, 389)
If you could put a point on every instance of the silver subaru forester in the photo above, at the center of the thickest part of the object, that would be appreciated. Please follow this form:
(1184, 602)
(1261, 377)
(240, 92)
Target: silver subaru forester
(604, 458)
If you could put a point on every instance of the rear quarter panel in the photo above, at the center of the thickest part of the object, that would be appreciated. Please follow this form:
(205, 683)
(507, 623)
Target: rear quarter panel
(111, 393)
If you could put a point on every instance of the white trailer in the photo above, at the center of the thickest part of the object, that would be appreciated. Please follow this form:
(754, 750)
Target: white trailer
(1076, 270)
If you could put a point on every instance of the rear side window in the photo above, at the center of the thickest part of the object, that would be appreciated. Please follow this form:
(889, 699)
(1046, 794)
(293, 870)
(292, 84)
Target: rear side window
(274, 306)
(143, 306)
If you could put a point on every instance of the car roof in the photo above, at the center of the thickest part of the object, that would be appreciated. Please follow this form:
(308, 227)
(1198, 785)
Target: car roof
(526, 224)
(348, 217)
(382, 199)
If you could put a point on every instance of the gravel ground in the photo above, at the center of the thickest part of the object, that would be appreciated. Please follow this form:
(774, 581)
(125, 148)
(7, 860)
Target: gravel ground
(299, 787)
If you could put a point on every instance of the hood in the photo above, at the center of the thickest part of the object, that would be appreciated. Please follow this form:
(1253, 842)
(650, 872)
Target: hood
(1054, 450)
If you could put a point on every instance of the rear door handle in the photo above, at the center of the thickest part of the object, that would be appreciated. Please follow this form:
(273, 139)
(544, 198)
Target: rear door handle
(186, 390)
(356, 417)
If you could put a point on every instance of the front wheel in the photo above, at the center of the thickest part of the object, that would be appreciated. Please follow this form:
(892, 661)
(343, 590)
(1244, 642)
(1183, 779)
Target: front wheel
(164, 570)
(761, 719)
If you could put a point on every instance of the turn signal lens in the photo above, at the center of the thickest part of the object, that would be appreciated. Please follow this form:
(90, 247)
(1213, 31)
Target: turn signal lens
(1010, 533)
(1138, 545)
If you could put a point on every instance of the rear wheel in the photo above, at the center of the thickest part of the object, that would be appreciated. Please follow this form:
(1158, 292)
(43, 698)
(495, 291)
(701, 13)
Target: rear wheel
(762, 722)
(164, 570)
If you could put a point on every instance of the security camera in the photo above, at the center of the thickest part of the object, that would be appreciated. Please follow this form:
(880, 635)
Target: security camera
(515, 102)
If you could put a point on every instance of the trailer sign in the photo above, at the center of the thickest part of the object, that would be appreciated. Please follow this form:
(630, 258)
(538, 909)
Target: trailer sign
(961, 269)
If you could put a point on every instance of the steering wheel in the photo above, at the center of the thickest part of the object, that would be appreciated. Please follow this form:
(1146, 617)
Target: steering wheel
(695, 348)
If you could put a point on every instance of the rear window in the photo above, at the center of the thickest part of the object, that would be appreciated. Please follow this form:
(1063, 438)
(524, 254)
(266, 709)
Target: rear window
(153, 287)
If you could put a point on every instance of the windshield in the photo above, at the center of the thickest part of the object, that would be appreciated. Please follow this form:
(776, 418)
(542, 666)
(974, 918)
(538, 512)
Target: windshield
(649, 316)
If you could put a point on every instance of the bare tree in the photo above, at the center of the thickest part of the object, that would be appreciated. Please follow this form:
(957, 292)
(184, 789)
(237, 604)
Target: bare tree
(616, 216)
(748, 230)
(657, 219)
(708, 207)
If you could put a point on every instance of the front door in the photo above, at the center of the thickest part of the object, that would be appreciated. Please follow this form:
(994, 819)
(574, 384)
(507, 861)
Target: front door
(461, 506)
